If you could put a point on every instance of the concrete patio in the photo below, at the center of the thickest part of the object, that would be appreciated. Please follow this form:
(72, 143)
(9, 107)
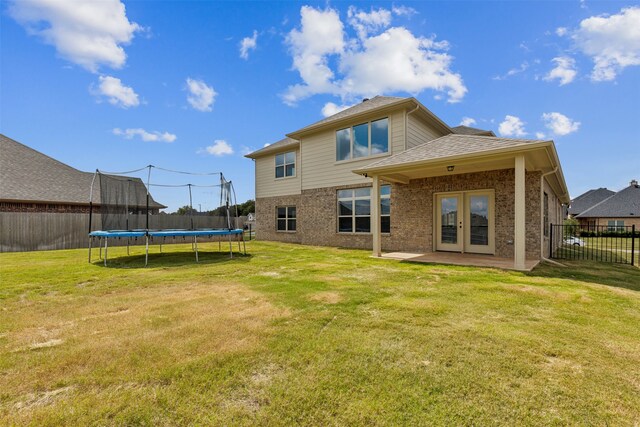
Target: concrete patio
(455, 258)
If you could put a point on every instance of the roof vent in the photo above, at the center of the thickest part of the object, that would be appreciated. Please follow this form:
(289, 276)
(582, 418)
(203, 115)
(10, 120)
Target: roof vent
(634, 183)
(365, 99)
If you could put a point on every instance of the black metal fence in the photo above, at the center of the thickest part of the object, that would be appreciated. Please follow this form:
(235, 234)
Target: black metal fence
(614, 244)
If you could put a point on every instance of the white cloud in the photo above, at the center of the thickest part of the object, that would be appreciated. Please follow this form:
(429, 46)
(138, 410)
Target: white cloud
(87, 33)
(560, 124)
(403, 11)
(219, 148)
(380, 60)
(330, 109)
(612, 42)
(512, 72)
(512, 126)
(561, 31)
(565, 70)
(365, 23)
(153, 136)
(247, 44)
(467, 121)
(201, 96)
(540, 135)
(321, 34)
(116, 93)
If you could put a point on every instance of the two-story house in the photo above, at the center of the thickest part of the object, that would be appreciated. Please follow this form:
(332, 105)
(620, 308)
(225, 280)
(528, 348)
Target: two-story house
(388, 174)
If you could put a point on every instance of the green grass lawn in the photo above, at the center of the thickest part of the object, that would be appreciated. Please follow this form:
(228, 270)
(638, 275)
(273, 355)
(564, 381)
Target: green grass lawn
(322, 336)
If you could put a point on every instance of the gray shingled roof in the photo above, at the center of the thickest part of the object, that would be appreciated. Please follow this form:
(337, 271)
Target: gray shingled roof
(623, 204)
(276, 146)
(28, 175)
(449, 146)
(589, 199)
(467, 130)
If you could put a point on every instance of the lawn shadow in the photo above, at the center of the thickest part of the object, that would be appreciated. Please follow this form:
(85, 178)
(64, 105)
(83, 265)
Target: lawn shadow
(601, 273)
(172, 259)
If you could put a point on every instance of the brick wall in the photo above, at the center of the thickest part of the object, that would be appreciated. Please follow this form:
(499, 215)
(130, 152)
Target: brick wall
(43, 207)
(411, 214)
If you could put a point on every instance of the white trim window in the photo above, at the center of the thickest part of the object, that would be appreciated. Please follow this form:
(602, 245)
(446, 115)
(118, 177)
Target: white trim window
(286, 218)
(286, 165)
(363, 140)
(615, 225)
(354, 210)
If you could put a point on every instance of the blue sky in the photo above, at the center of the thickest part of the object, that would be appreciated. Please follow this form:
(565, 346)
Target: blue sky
(117, 86)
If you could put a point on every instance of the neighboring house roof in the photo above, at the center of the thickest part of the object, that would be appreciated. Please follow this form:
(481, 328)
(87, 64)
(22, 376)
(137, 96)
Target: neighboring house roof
(27, 175)
(275, 147)
(623, 204)
(450, 146)
(589, 199)
(366, 106)
(466, 130)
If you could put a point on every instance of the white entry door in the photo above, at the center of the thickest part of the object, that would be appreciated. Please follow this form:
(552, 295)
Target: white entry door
(465, 222)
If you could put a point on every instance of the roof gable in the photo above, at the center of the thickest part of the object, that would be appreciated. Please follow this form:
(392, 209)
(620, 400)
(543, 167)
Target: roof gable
(623, 204)
(467, 130)
(283, 144)
(588, 200)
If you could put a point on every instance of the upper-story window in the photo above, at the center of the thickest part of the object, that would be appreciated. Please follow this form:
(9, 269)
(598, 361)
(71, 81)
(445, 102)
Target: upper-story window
(286, 164)
(363, 140)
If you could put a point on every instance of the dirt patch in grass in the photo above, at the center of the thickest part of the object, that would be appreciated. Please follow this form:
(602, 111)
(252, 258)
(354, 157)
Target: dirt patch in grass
(326, 297)
(126, 336)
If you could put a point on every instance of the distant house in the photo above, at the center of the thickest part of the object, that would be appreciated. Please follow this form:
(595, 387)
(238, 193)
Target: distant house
(587, 200)
(34, 182)
(616, 211)
(390, 175)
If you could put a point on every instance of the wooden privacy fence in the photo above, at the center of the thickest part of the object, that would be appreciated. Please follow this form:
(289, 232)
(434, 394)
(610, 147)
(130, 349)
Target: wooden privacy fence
(39, 231)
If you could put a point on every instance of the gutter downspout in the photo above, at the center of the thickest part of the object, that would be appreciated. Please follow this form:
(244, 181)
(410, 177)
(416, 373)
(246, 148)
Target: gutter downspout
(542, 245)
(406, 125)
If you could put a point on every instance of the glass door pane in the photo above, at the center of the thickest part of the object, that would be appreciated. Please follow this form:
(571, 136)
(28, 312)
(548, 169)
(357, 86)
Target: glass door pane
(449, 220)
(479, 219)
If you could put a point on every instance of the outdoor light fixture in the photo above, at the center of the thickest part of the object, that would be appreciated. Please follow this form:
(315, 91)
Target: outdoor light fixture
(450, 168)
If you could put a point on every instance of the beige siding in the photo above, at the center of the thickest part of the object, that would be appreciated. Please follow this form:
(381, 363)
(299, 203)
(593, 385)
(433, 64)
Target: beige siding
(419, 131)
(266, 183)
(319, 166)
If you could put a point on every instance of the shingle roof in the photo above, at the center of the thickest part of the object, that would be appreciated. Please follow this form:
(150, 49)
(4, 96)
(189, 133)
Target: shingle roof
(28, 175)
(449, 146)
(623, 204)
(466, 130)
(589, 199)
(276, 146)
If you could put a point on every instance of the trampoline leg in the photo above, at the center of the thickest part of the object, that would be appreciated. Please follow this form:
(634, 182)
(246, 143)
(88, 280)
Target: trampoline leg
(230, 247)
(100, 246)
(244, 244)
(219, 243)
(146, 254)
(90, 240)
(195, 242)
(127, 246)
(106, 248)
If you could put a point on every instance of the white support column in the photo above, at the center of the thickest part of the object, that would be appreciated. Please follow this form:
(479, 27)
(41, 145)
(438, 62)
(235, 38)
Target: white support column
(375, 217)
(519, 232)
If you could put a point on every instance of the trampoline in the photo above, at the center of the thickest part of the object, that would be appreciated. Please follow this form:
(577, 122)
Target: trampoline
(126, 204)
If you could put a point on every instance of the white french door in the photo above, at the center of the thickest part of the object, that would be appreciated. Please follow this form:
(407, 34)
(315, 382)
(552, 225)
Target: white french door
(465, 222)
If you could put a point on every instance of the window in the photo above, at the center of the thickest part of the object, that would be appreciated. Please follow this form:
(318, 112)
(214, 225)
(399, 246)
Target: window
(615, 225)
(363, 140)
(354, 210)
(286, 164)
(545, 214)
(286, 218)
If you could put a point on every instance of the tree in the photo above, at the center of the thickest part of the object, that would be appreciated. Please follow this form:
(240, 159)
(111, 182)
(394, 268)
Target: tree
(186, 210)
